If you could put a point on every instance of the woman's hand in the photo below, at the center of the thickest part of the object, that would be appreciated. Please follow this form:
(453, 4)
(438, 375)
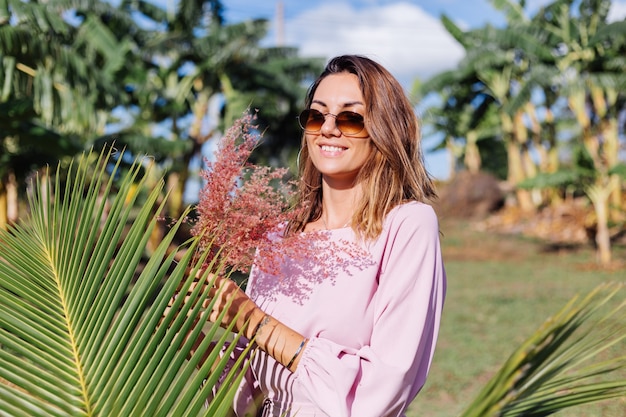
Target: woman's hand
(272, 336)
(233, 301)
(228, 298)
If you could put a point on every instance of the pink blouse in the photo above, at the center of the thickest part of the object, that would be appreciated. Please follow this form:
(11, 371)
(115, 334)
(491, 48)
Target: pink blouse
(372, 329)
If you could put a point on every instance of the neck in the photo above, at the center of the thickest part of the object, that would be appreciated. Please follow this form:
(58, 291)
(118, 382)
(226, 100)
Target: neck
(336, 224)
(338, 207)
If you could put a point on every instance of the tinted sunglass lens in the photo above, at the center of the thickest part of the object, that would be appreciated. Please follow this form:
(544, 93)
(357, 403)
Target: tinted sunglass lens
(311, 120)
(350, 123)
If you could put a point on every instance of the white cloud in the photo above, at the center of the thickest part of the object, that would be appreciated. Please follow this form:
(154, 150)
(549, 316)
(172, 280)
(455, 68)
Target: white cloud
(401, 36)
(617, 11)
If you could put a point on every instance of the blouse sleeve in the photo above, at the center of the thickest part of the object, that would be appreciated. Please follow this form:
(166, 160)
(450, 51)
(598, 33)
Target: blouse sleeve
(382, 378)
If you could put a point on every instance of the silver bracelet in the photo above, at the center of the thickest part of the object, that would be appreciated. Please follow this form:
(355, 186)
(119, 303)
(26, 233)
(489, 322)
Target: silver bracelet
(295, 355)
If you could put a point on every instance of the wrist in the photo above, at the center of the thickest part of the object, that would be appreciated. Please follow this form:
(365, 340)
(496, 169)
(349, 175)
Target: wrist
(258, 319)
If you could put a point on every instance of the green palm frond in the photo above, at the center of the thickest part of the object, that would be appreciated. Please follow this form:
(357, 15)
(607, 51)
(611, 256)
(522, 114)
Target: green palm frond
(83, 328)
(568, 361)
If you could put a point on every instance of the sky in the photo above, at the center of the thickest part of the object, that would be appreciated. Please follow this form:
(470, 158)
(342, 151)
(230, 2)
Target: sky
(406, 36)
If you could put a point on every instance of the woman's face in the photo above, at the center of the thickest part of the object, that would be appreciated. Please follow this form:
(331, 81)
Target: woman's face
(336, 156)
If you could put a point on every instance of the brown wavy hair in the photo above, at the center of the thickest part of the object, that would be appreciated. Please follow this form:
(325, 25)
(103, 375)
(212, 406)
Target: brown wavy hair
(395, 173)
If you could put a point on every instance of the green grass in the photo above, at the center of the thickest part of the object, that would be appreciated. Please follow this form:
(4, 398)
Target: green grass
(500, 289)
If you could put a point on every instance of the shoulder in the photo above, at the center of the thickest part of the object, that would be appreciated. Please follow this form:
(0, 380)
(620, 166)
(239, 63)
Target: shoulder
(412, 215)
(409, 245)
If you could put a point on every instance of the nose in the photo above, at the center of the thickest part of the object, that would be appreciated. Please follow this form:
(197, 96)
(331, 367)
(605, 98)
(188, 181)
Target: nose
(329, 128)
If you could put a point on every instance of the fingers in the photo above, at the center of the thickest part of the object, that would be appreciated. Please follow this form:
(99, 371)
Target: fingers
(224, 292)
(220, 291)
(222, 296)
(198, 280)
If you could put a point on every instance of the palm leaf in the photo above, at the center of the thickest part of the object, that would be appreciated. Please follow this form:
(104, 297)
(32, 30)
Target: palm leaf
(82, 332)
(566, 362)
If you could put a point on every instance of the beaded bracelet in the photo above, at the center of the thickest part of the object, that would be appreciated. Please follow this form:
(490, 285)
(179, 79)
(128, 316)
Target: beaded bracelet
(295, 355)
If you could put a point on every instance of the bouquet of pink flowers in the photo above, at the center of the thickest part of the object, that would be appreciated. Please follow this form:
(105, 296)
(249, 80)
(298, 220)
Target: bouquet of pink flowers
(243, 205)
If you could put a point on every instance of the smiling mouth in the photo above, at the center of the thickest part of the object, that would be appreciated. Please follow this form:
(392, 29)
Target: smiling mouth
(328, 148)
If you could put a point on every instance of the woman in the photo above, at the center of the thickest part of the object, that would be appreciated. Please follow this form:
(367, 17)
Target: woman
(360, 342)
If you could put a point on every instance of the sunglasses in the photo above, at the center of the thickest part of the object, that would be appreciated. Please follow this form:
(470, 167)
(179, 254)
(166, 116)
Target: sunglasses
(348, 122)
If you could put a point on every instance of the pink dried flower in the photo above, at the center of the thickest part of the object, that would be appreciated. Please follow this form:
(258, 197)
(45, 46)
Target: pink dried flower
(244, 208)
(240, 207)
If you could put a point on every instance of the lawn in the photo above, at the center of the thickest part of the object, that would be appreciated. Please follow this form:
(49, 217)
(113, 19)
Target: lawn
(500, 289)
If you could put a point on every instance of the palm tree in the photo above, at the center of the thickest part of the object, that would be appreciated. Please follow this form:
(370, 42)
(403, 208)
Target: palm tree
(160, 75)
(85, 327)
(599, 85)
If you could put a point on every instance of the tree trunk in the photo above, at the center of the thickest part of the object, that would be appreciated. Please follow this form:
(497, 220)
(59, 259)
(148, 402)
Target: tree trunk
(177, 181)
(3, 207)
(472, 154)
(515, 172)
(452, 165)
(9, 203)
(516, 175)
(610, 133)
(538, 138)
(12, 198)
(599, 196)
(529, 168)
(176, 186)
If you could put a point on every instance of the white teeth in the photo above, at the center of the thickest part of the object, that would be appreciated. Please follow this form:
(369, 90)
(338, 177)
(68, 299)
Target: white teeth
(328, 148)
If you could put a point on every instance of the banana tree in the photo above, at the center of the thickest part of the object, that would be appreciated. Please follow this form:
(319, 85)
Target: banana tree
(58, 85)
(87, 323)
(188, 57)
(593, 59)
(499, 59)
(466, 117)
